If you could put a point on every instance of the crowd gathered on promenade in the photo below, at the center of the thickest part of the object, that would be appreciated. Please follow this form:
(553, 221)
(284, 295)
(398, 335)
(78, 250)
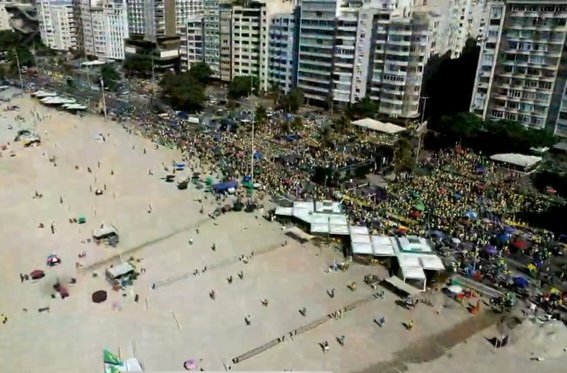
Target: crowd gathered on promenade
(463, 201)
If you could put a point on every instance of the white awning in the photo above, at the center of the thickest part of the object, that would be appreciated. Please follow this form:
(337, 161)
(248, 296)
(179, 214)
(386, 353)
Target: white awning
(362, 248)
(376, 125)
(431, 263)
(413, 273)
(401, 285)
(382, 246)
(516, 159)
(284, 211)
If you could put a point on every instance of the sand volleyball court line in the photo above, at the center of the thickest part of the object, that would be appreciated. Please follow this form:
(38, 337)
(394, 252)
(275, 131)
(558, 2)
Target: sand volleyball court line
(104, 262)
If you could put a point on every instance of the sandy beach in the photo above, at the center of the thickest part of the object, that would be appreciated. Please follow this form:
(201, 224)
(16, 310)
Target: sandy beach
(177, 320)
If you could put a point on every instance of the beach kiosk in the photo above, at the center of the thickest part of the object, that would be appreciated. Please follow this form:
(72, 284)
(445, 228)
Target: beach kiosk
(120, 275)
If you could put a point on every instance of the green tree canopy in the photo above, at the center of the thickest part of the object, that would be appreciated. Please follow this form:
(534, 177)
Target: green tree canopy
(8, 39)
(365, 108)
(503, 136)
(110, 77)
(404, 160)
(261, 116)
(241, 86)
(138, 65)
(201, 72)
(292, 101)
(183, 91)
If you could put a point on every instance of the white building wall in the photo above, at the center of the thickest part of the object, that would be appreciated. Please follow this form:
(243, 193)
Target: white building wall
(57, 24)
(104, 28)
(4, 16)
(522, 72)
(191, 50)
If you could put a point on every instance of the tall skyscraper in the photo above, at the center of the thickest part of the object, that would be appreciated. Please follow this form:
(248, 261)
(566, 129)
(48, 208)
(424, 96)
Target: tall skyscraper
(522, 70)
(104, 27)
(58, 24)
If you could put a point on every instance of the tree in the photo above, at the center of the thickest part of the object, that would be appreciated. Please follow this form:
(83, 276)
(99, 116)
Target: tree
(365, 108)
(9, 39)
(138, 65)
(201, 72)
(297, 123)
(110, 77)
(404, 160)
(292, 101)
(183, 91)
(341, 124)
(241, 86)
(261, 116)
(275, 92)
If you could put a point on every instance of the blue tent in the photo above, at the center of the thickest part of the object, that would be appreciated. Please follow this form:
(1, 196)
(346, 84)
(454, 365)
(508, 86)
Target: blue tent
(458, 196)
(292, 137)
(223, 187)
(480, 168)
(247, 179)
(521, 282)
(504, 237)
(257, 155)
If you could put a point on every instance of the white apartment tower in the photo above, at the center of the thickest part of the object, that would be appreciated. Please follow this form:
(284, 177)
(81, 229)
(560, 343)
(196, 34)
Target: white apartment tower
(57, 24)
(249, 44)
(282, 51)
(105, 27)
(191, 50)
(349, 50)
(522, 69)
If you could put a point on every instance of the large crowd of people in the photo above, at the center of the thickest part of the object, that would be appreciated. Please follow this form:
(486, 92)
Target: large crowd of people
(464, 201)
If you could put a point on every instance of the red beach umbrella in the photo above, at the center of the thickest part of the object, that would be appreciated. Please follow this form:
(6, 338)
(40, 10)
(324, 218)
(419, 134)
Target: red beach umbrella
(36, 274)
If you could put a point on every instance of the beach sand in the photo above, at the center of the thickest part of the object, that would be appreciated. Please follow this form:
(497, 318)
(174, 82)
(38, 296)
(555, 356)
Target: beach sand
(177, 320)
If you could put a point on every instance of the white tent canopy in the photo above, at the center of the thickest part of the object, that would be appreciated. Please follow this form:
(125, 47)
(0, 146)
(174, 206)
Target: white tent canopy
(376, 125)
(515, 159)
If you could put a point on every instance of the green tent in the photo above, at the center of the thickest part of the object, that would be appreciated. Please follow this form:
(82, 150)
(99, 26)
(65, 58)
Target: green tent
(82, 219)
(248, 185)
(419, 207)
(209, 180)
(110, 358)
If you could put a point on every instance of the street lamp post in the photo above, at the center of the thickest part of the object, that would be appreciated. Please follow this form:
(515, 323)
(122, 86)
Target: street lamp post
(103, 98)
(19, 68)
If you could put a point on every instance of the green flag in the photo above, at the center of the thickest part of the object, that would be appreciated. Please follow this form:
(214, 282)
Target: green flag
(110, 358)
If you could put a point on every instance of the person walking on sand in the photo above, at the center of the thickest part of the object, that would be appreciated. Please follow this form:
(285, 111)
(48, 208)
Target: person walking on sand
(52, 228)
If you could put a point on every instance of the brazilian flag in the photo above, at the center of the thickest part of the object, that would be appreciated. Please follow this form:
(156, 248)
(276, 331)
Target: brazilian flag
(110, 358)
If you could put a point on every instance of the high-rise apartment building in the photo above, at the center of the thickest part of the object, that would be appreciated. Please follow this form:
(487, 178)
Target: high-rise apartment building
(152, 29)
(104, 28)
(211, 29)
(522, 70)
(58, 24)
(316, 44)
(185, 9)
(192, 42)
(282, 50)
(249, 44)
(349, 50)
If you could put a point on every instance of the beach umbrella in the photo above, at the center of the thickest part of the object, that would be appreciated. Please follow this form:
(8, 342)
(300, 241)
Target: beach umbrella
(491, 249)
(419, 207)
(472, 215)
(455, 289)
(521, 282)
(503, 237)
(99, 296)
(190, 364)
(480, 169)
(458, 196)
(520, 244)
(36, 274)
(53, 260)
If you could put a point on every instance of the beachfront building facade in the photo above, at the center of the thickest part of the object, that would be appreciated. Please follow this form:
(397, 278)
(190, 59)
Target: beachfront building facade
(249, 43)
(522, 70)
(58, 24)
(282, 50)
(104, 26)
(349, 50)
(191, 49)
(152, 31)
